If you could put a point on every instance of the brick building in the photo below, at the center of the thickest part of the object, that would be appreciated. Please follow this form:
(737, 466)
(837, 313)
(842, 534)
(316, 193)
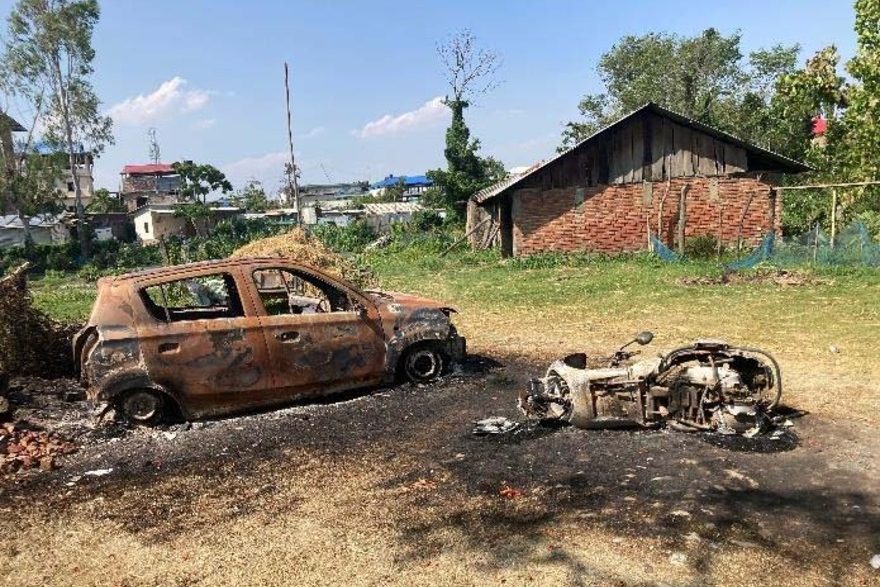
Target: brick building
(152, 183)
(652, 172)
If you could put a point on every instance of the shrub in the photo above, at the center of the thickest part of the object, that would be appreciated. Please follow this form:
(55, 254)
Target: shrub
(704, 246)
(345, 239)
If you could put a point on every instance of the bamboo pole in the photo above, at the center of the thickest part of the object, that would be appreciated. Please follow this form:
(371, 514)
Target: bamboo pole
(826, 185)
(462, 239)
(660, 211)
(291, 178)
(682, 218)
(833, 216)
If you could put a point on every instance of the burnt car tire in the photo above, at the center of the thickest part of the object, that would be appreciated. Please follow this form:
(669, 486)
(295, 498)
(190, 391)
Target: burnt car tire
(142, 406)
(423, 363)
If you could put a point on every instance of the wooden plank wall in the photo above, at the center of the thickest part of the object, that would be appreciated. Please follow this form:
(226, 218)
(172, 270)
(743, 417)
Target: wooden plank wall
(646, 148)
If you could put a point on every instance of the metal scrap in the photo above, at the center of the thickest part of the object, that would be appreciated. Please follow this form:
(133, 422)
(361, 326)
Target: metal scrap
(707, 386)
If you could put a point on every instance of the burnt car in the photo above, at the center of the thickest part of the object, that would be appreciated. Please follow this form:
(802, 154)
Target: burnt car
(707, 386)
(217, 337)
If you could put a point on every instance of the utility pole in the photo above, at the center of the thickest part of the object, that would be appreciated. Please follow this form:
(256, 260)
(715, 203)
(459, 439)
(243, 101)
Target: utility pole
(291, 172)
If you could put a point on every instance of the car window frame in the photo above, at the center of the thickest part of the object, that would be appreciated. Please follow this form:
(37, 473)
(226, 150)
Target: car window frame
(139, 289)
(248, 275)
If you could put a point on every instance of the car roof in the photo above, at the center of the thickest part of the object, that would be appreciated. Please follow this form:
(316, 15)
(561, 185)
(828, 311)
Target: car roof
(217, 264)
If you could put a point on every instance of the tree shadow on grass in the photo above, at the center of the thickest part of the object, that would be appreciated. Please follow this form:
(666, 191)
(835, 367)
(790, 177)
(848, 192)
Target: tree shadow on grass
(635, 485)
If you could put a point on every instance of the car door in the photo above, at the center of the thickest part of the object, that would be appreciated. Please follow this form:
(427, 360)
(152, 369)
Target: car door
(202, 344)
(321, 335)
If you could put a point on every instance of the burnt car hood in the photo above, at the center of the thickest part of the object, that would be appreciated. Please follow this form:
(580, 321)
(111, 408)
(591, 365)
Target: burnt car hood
(407, 301)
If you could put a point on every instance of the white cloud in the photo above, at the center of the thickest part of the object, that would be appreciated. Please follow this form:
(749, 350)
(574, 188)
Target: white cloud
(171, 97)
(315, 132)
(267, 168)
(205, 123)
(430, 113)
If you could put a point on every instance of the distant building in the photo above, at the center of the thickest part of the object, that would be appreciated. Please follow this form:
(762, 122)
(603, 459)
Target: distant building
(111, 226)
(154, 222)
(152, 183)
(382, 215)
(339, 193)
(316, 215)
(82, 172)
(413, 185)
(44, 229)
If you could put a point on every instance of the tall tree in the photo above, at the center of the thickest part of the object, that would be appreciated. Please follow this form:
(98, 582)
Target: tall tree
(851, 110)
(103, 203)
(470, 72)
(196, 182)
(50, 45)
(28, 179)
(252, 197)
(702, 77)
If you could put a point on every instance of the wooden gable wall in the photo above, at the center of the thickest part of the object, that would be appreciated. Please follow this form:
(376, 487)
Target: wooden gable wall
(646, 148)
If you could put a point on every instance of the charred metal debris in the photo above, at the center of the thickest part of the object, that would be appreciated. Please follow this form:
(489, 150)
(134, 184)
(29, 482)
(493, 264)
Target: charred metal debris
(709, 386)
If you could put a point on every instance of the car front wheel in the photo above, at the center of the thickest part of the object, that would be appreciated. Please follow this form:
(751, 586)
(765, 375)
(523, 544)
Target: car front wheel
(423, 363)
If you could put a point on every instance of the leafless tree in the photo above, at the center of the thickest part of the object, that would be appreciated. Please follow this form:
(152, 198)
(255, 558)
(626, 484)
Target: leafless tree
(470, 70)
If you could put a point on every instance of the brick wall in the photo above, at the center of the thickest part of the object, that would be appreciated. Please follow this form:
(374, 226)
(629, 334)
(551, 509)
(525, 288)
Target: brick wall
(614, 218)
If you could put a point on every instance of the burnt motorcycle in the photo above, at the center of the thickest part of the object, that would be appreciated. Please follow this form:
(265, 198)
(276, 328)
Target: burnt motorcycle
(707, 386)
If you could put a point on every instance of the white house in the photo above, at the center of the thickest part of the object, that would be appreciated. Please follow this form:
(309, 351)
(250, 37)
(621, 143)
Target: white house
(154, 222)
(382, 215)
(44, 228)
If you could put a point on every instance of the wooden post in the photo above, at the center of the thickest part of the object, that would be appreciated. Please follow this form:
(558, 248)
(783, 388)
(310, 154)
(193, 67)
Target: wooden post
(660, 211)
(682, 218)
(720, 227)
(833, 216)
(816, 244)
(464, 238)
(291, 178)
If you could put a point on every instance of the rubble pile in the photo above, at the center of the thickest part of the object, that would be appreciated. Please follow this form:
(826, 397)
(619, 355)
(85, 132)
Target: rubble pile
(22, 448)
(778, 277)
(31, 343)
(301, 247)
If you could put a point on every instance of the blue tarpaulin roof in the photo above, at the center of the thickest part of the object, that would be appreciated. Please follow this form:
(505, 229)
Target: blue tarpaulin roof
(408, 180)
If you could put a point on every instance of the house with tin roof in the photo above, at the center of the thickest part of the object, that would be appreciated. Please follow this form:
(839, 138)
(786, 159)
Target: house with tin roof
(653, 173)
(413, 185)
(150, 183)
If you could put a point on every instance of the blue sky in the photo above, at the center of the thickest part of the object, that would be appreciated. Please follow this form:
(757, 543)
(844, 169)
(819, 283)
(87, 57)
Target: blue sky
(207, 74)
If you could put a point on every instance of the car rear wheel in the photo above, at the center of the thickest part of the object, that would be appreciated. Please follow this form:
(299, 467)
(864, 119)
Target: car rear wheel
(143, 406)
(423, 363)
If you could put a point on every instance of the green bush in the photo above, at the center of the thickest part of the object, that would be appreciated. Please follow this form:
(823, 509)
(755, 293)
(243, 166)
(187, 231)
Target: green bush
(704, 246)
(345, 239)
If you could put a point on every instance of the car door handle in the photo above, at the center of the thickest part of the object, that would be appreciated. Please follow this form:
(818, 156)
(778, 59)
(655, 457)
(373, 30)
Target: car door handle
(288, 336)
(168, 347)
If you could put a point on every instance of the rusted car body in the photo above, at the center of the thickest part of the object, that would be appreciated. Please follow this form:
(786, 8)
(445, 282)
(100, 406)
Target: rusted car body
(218, 337)
(707, 386)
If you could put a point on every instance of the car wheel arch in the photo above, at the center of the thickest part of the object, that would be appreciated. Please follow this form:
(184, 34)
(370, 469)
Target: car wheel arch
(124, 383)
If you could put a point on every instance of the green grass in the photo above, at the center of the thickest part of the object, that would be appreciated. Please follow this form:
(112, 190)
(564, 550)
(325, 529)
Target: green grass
(542, 307)
(67, 298)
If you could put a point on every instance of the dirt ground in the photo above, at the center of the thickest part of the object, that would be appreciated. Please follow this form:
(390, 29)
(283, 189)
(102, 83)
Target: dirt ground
(390, 487)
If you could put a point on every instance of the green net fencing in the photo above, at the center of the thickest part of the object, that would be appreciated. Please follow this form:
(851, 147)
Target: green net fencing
(851, 247)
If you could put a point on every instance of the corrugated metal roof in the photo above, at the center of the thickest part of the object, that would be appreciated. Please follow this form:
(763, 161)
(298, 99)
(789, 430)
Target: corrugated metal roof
(408, 180)
(12, 221)
(147, 169)
(786, 163)
(13, 125)
(392, 208)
